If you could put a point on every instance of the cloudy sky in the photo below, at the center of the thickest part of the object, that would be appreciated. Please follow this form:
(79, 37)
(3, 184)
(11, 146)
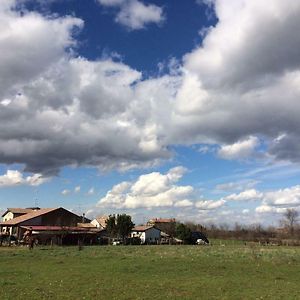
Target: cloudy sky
(186, 109)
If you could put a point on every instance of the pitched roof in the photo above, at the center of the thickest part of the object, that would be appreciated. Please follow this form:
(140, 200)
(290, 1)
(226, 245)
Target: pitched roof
(143, 228)
(16, 210)
(102, 220)
(28, 216)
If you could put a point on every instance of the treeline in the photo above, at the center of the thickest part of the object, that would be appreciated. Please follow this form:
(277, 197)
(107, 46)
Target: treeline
(253, 233)
(288, 231)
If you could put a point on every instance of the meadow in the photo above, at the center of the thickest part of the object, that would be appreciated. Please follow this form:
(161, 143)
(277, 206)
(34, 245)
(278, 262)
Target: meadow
(221, 271)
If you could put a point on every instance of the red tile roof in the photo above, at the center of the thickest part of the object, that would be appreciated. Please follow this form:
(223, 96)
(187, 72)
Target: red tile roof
(143, 228)
(28, 216)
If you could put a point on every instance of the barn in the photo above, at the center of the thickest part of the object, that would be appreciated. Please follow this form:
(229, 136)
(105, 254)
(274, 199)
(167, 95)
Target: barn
(50, 225)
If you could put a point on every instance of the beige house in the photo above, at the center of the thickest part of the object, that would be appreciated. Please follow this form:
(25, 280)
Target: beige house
(100, 222)
(12, 213)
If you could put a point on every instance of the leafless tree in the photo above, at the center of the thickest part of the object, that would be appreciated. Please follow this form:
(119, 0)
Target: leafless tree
(291, 216)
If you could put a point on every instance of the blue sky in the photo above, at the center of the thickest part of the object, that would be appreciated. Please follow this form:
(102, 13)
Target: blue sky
(185, 109)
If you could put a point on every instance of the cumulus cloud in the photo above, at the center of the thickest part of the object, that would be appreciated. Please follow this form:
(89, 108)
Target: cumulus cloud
(149, 190)
(210, 204)
(14, 177)
(283, 197)
(248, 195)
(240, 149)
(134, 14)
(229, 91)
(234, 89)
(276, 201)
(280, 200)
(53, 108)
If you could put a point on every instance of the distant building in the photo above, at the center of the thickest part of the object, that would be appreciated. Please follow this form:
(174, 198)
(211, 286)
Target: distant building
(12, 213)
(166, 225)
(147, 234)
(100, 222)
(49, 225)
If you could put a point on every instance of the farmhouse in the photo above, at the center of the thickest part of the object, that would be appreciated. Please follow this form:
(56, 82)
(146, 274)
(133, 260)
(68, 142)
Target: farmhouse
(147, 234)
(100, 222)
(49, 225)
(12, 213)
(166, 225)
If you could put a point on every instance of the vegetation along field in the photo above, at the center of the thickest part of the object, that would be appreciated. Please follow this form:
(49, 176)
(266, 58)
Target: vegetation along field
(220, 271)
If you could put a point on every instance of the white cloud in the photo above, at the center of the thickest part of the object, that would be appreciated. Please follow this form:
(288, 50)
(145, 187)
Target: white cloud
(266, 209)
(239, 150)
(227, 89)
(184, 203)
(134, 14)
(149, 190)
(15, 177)
(210, 204)
(248, 195)
(279, 200)
(238, 185)
(283, 197)
(232, 87)
(77, 189)
(65, 192)
(91, 191)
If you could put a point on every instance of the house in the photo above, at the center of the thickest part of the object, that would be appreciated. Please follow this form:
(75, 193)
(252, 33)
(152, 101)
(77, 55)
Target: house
(100, 222)
(12, 213)
(56, 225)
(166, 225)
(147, 234)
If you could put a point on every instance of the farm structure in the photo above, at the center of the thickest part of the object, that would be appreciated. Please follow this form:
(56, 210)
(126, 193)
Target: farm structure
(100, 222)
(166, 225)
(12, 213)
(51, 226)
(147, 234)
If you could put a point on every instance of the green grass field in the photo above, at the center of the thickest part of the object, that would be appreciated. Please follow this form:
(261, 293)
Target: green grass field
(230, 271)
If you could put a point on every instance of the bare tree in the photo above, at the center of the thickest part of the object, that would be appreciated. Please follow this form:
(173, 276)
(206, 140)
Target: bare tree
(291, 216)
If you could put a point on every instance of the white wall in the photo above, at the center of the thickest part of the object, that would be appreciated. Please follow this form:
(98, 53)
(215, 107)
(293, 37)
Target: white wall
(8, 216)
(151, 235)
(95, 223)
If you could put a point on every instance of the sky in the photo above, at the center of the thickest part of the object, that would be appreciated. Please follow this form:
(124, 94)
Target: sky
(185, 109)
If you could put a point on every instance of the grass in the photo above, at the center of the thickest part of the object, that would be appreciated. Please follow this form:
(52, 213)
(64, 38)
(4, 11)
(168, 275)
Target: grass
(221, 271)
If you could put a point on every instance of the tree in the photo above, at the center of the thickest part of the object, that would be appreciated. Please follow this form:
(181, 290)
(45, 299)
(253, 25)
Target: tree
(124, 225)
(111, 226)
(291, 216)
(183, 233)
(119, 226)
